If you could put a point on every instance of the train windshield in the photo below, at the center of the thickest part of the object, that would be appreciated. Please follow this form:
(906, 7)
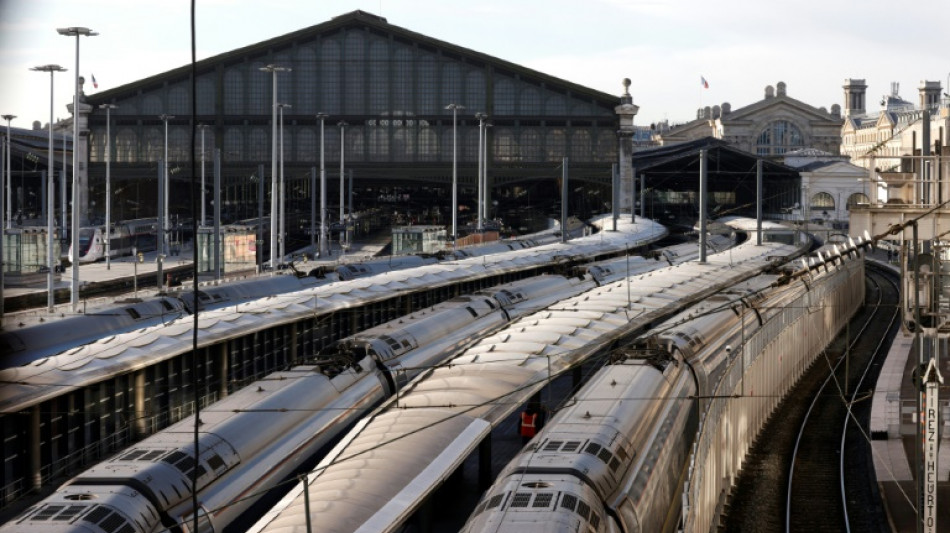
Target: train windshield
(85, 239)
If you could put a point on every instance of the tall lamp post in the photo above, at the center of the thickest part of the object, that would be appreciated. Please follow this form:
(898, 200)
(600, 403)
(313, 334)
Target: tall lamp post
(323, 191)
(273, 69)
(50, 195)
(108, 108)
(455, 177)
(342, 124)
(203, 127)
(5, 161)
(164, 208)
(76, 32)
(9, 178)
(282, 192)
(482, 182)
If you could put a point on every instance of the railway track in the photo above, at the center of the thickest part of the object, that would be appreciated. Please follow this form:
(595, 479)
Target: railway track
(810, 429)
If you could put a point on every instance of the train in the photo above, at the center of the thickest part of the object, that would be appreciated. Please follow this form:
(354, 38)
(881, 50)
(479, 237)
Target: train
(387, 467)
(124, 237)
(293, 414)
(31, 342)
(618, 454)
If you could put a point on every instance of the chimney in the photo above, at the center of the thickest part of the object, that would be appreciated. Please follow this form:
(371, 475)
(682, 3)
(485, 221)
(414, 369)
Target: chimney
(854, 93)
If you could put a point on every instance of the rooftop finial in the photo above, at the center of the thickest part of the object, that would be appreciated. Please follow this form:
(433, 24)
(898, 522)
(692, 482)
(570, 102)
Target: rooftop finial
(626, 86)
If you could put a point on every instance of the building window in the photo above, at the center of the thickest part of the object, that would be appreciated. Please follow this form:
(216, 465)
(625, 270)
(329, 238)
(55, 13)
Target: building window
(428, 82)
(504, 97)
(234, 91)
(555, 145)
(858, 198)
(178, 101)
(354, 77)
(307, 145)
(822, 201)
(330, 77)
(779, 137)
(126, 144)
(206, 95)
(305, 82)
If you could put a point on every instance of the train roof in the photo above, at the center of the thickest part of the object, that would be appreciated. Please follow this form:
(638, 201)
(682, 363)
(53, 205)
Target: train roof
(52, 376)
(495, 376)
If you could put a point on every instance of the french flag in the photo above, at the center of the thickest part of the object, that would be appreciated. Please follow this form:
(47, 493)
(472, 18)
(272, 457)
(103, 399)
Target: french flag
(702, 80)
(95, 84)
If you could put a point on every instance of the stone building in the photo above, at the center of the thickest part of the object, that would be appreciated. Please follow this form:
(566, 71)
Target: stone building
(883, 138)
(770, 127)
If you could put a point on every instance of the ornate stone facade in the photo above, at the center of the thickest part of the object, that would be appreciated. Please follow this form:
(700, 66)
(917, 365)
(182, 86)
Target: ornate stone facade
(770, 127)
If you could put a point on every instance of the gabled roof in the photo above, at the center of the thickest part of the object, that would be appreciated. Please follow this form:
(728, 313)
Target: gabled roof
(833, 167)
(348, 20)
(687, 154)
(779, 100)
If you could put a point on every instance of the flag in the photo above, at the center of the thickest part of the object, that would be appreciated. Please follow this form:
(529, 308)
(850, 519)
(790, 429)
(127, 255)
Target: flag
(702, 80)
(95, 85)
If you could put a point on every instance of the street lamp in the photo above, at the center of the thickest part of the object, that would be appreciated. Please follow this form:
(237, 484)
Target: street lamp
(342, 124)
(164, 208)
(282, 192)
(323, 193)
(50, 195)
(108, 108)
(455, 178)
(273, 69)
(482, 208)
(8, 118)
(203, 127)
(77, 32)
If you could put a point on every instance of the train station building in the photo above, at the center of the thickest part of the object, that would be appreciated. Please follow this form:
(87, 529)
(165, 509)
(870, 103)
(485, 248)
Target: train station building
(387, 94)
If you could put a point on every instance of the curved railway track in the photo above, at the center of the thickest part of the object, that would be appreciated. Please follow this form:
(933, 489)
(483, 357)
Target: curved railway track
(809, 430)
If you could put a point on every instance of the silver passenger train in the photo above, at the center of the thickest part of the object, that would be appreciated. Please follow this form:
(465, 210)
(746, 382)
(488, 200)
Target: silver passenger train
(124, 237)
(147, 486)
(30, 342)
(255, 438)
(616, 456)
(385, 468)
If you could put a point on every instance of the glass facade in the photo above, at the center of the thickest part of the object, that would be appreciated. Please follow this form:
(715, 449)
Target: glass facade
(389, 85)
(779, 137)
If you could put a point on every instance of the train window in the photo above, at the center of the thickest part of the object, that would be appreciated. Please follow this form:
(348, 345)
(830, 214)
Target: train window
(133, 313)
(97, 514)
(543, 499)
(521, 499)
(583, 509)
(594, 520)
(472, 311)
(495, 501)
(166, 305)
(70, 512)
(571, 446)
(153, 455)
(614, 464)
(605, 456)
(592, 448)
(569, 501)
(490, 304)
(553, 445)
(621, 453)
(47, 512)
(134, 455)
(215, 461)
(112, 523)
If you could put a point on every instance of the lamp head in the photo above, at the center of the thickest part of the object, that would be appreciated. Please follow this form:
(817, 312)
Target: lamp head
(48, 68)
(76, 31)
